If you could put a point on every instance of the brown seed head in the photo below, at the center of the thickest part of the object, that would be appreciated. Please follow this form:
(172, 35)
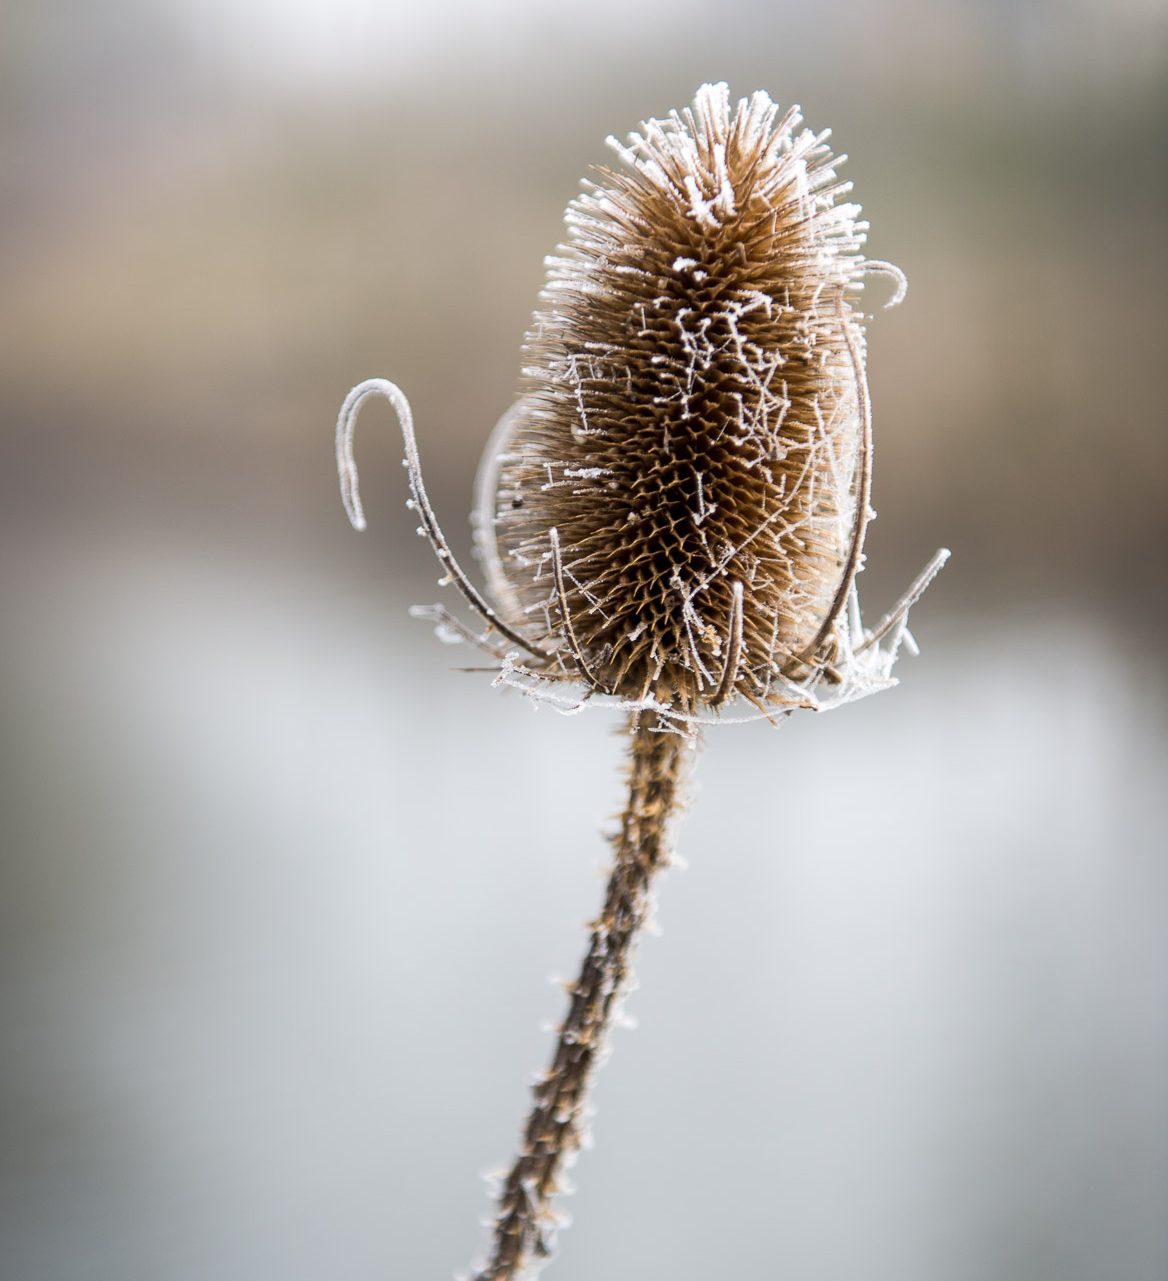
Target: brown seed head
(685, 472)
(674, 510)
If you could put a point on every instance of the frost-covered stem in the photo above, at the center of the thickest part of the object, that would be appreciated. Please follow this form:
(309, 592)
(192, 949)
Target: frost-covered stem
(525, 1224)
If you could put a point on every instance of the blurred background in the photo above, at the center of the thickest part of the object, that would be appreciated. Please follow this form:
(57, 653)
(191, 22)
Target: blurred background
(282, 893)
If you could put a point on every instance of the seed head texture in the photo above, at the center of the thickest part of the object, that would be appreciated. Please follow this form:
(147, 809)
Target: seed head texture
(672, 513)
(690, 410)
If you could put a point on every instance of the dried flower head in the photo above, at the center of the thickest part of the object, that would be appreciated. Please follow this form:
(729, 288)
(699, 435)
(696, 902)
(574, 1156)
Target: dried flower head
(673, 513)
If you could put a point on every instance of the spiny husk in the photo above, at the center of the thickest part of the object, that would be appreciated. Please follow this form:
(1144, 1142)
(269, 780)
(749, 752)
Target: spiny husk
(689, 414)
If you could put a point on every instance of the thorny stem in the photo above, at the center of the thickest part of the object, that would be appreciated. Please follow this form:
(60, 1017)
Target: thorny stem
(524, 1228)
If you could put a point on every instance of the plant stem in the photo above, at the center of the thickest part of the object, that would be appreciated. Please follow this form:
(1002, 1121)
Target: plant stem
(525, 1223)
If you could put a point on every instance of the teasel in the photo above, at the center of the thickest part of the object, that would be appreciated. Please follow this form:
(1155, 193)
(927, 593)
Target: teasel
(671, 517)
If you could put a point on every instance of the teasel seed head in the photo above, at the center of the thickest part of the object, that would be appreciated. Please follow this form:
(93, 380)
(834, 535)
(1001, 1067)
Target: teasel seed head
(686, 471)
(673, 512)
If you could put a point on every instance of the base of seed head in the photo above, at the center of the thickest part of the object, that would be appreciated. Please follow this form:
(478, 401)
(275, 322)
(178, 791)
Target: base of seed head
(671, 517)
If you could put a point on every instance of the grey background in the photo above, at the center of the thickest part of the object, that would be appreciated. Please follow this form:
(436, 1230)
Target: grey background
(281, 892)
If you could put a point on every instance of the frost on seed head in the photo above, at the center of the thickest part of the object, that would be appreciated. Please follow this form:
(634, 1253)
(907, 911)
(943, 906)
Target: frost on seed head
(692, 422)
(673, 512)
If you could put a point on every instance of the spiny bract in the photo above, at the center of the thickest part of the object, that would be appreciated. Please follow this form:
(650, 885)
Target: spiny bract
(692, 416)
